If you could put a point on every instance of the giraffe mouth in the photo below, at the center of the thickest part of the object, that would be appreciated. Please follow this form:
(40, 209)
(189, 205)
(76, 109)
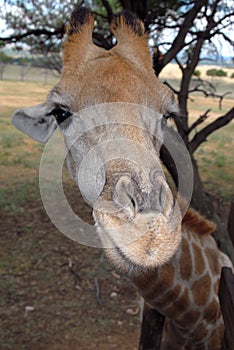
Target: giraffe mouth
(136, 225)
(146, 240)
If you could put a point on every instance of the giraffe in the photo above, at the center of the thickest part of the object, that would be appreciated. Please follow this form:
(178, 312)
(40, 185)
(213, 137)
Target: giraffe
(177, 270)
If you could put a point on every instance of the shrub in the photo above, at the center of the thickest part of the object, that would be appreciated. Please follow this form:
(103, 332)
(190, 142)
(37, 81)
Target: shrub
(232, 76)
(221, 73)
(197, 73)
(216, 72)
(5, 58)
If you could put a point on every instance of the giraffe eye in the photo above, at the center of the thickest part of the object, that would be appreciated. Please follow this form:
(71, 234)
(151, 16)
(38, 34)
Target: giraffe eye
(60, 114)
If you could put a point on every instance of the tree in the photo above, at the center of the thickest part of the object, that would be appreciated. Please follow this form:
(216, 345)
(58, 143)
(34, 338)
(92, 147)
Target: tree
(193, 27)
(39, 25)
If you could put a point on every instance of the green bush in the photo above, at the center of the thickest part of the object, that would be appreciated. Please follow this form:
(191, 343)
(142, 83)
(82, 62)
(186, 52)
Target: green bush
(232, 76)
(197, 73)
(5, 58)
(216, 72)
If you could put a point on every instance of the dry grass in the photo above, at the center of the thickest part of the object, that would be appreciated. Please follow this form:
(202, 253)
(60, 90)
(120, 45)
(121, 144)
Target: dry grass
(172, 71)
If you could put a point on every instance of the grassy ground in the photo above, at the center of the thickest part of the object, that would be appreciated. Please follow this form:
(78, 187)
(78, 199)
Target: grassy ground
(45, 303)
(56, 294)
(29, 74)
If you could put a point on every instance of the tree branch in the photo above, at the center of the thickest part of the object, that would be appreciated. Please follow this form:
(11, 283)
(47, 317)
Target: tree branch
(200, 120)
(221, 98)
(209, 129)
(229, 40)
(108, 9)
(179, 64)
(100, 15)
(206, 87)
(171, 87)
(126, 4)
(37, 32)
(178, 43)
(211, 94)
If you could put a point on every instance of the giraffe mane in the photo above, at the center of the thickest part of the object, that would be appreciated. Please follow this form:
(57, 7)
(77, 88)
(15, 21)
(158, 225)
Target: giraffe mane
(195, 222)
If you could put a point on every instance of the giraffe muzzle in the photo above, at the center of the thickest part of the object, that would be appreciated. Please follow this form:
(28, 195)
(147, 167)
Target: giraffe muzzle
(136, 197)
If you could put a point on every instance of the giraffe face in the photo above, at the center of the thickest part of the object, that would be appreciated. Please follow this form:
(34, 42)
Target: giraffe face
(110, 106)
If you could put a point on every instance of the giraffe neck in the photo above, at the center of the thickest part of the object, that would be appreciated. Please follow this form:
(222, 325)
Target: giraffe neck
(185, 290)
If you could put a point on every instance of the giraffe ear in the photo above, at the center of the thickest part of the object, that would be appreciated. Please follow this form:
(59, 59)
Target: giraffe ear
(35, 122)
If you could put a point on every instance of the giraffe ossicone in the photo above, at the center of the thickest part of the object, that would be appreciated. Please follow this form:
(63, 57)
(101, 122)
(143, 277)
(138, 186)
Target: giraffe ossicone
(114, 158)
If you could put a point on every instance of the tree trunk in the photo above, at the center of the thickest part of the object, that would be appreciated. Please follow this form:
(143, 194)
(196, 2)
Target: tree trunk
(200, 200)
(151, 329)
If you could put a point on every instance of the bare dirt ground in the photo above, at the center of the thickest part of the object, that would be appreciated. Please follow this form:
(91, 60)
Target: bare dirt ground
(56, 294)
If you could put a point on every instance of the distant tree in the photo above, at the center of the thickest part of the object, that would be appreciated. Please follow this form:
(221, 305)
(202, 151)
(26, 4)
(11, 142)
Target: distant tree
(4, 58)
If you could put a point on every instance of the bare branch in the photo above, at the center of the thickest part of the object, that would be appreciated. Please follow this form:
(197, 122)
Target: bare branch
(210, 94)
(206, 84)
(171, 87)
(228, 15)
(200, 120)
(100, 15)
(179, 64)
(209, 129)
(229, 40)
(214, 8)
(97, 291)
(37, 32)
(178, 43)
(108, 9)
(77, 276)
(126, 4)
(221, 97)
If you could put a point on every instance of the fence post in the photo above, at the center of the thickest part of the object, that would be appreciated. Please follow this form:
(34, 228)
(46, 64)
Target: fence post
(226, 292)
(226, 296)
(151, 329)
(231, 222)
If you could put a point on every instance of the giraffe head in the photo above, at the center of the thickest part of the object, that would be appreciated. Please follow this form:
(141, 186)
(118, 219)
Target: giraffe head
(110, 107)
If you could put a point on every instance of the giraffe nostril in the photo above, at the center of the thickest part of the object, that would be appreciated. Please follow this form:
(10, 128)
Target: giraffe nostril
(129, 195)
(124, 195)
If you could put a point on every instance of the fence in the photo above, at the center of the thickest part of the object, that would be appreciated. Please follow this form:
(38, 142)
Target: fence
(14, 72)
(153, 321)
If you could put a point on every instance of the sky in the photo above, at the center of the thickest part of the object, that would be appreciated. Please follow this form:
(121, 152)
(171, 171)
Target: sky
(224, 49)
